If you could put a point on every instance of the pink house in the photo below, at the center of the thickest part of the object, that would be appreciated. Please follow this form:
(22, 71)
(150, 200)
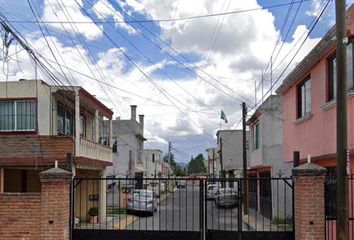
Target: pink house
(309, 102)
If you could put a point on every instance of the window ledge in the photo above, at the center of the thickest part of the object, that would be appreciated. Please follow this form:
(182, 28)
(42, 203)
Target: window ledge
(303, 119)
(333, 103)
(329, 105)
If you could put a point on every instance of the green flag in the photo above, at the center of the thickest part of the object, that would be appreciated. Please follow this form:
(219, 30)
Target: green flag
(223, 116)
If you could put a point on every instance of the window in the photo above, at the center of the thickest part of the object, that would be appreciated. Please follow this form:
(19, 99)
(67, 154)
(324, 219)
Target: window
(82, 126)
(18, 115)
(65, 121)
(256, 136)
(115, 146)
(332, 73)
(304, 98)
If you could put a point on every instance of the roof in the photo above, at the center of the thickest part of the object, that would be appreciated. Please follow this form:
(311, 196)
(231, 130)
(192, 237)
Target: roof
(326, 44)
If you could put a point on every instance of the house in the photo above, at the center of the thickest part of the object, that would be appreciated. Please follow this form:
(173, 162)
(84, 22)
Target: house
(266, 161)
(230, 150)
(41, 124)
(128, 145)
(213, 165)
(152, 162)
(309, 103)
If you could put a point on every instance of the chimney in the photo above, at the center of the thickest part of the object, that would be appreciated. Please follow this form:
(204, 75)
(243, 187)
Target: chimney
(133, 112)
(141, 121)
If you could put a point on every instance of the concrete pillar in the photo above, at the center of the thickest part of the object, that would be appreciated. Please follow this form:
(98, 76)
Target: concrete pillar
(141, 121)
(110, 133)
(96, 130)
(309, 201)
(55, 204)
(77, 124)
(102, 198)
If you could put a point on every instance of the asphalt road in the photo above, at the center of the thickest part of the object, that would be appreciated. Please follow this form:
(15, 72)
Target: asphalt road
(181, 212)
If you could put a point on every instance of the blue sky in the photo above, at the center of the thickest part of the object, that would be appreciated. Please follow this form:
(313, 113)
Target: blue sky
(226, 54)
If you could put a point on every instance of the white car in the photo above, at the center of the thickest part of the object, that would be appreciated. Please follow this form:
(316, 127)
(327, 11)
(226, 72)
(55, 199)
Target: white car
(142, 200)
(211, 190)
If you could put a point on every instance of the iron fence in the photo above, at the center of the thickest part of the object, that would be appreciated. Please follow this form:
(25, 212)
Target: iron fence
(201, 208)
(331, 206)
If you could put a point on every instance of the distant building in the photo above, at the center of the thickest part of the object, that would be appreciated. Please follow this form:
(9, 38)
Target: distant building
(128, 145)
(230, 150)
(152, 161)
(213, 162)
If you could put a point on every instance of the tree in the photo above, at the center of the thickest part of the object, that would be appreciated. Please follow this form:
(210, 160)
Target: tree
(166, 159)
(196, 165)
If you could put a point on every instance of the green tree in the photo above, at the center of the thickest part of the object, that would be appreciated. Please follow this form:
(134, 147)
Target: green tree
(196, 165)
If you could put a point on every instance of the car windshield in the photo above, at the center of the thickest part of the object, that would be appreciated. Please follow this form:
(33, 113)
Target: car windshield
(143, 194)
(226, 191)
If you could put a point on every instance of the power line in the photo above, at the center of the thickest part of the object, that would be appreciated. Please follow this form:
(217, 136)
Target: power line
(189, 69)
(291, 60)
(163, 20)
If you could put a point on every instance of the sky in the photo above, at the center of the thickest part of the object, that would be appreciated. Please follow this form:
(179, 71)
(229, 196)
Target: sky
(179, 73)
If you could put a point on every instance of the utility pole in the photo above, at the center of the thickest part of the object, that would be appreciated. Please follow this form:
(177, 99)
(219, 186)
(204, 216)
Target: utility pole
(169, 152)
(213, 163)
(342, 179)
(244, 156)
(221, 161)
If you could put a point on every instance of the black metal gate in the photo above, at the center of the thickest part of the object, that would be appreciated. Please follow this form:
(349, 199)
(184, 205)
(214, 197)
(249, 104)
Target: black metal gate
(176, 208)
(232, 209)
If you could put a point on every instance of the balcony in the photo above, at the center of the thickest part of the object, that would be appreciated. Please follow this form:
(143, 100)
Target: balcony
(92, 150)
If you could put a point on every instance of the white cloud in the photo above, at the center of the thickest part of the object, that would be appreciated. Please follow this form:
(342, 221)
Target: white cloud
(70, 11)
(104, 10)
(242, 49)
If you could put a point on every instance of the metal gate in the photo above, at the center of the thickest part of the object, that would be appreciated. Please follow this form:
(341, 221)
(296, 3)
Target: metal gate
(232, 209)
(177, 208)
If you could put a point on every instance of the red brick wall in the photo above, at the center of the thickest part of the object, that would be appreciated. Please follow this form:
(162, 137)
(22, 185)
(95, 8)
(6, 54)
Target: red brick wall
(20, 216)
(55, 203)
(22, 149)
(309, 207)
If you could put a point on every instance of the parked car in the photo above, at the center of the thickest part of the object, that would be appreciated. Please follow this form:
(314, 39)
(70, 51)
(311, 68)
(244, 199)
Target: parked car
(142, 200)
(211, 190)
(226, 197)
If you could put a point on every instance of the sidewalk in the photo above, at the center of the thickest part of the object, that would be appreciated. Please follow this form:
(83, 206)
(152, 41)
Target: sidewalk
(257, 222)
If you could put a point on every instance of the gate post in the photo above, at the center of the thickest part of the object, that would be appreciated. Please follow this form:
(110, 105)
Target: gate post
(55, 204)
(309, 201)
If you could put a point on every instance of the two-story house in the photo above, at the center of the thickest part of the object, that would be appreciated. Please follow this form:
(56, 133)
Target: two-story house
(41, 124)
(128, 145)
(230, 150)
(309, 102)
(266, 160)
(152, 162)
(213, 162)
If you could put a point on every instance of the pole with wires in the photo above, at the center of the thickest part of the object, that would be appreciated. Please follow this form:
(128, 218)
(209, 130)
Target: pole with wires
(244, 156)
(342, 178)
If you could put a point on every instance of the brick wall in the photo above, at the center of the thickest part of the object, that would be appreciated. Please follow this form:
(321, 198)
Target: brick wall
(55, 203)
(38, 216)
(309, 201)
(24, 149)
(20, 216)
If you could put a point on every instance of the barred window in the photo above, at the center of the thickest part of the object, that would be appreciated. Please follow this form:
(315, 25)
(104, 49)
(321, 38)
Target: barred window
(18, 115)
(65, 120)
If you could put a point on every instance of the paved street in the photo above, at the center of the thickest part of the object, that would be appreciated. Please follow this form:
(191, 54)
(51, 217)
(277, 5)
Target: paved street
(181, 212)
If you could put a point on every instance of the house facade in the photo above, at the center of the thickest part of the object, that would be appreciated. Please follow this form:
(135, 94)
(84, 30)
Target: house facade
(41, 124)
(230, 150)
(266, 160)
(128, 145)
(213, 162)
(152, 162)
(309, 102)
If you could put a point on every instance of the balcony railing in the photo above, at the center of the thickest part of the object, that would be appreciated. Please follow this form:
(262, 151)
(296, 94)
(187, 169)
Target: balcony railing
(94, 150)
